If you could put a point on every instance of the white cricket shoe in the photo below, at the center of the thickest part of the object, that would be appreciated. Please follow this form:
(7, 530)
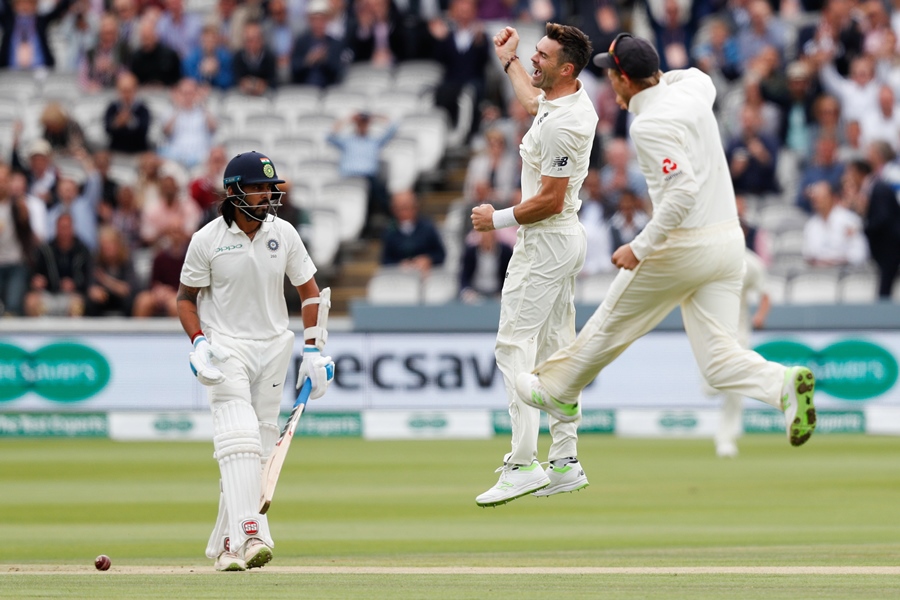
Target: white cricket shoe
(726, 450)
(797, 404)
(532, 393)
(230, 561)
(515, 481)
(567, 478)
(256, 553)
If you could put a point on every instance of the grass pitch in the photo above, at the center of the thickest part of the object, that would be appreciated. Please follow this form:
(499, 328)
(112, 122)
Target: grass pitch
(399, 520)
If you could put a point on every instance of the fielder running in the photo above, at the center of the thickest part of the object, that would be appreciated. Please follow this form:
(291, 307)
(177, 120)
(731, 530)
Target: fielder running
(537, 308)
(231, 303)
(691, 253)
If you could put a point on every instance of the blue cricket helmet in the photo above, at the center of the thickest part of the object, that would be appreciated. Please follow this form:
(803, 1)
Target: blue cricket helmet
(250, 167)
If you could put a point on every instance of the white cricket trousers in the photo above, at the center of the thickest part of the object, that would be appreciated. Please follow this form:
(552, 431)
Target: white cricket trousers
(731, 408)
(699, 269)
(537, 318)
(245, 410)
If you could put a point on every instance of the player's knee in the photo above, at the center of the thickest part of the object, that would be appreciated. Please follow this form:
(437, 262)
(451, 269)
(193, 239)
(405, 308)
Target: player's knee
(236, 430)
(716, 373)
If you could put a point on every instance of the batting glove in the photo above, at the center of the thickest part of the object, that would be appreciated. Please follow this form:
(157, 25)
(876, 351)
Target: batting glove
(202, 361)
(317, 368)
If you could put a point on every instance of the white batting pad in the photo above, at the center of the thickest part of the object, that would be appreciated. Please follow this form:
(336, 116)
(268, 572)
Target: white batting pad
(239, 451)
(216, 543)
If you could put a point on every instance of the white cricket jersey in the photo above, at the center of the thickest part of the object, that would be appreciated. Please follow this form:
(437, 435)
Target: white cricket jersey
(680, 154)
(558, 144)
(242, 281)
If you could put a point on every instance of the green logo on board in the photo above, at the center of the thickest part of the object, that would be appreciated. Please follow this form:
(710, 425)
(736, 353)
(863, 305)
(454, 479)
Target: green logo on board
(678, 420)
(165, 423)
(428, 421)
(63, 372)
(849, 369)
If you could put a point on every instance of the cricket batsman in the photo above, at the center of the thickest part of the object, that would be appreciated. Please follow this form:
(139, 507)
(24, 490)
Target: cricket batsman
(231, 303)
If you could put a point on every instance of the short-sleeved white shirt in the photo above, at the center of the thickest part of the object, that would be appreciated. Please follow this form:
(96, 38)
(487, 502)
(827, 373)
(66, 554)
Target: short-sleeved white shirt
(242, 281)
(558, 144)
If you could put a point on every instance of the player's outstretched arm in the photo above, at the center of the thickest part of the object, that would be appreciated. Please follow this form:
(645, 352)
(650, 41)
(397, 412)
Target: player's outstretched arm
(506, 43)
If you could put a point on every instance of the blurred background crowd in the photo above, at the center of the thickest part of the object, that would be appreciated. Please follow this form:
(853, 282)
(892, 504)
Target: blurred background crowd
(390, 119)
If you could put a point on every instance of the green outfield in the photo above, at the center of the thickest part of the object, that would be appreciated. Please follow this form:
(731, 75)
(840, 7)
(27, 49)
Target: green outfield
(357, 519)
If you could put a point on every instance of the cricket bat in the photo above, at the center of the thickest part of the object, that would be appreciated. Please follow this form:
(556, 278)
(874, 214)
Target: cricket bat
(279, 453)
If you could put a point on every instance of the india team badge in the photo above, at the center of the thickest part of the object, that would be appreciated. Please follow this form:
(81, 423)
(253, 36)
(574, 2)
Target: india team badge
(272, 244)
(268, 169)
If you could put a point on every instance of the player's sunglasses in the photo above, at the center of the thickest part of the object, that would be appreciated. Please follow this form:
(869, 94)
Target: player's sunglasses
(612, 52)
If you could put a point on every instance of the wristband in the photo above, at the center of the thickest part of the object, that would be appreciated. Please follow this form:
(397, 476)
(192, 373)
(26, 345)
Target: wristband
(196, 335)
(509, 62)
(504, 218)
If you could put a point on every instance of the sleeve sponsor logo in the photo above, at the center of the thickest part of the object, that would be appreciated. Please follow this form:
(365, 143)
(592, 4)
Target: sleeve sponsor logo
(668, 166)
(559, 161)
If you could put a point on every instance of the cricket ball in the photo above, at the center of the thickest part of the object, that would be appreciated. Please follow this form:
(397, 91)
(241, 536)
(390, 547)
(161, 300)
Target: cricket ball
(102, 562)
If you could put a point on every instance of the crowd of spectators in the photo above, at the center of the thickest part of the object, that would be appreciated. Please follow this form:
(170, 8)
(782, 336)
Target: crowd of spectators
(807, 103)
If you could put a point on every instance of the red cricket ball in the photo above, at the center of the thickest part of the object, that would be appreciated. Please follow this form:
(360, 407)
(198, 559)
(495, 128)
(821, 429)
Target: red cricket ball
(102, 562)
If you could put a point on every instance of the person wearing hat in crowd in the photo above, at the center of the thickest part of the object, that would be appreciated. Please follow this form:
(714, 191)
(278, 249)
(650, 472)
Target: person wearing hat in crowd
(39, 170)
(690, 254)
(231, 303)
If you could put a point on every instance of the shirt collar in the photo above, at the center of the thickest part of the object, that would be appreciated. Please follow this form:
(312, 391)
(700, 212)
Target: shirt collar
(266, 226)
(645, 99)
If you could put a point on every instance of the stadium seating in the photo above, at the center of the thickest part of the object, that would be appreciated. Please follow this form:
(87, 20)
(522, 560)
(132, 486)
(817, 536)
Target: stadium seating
(324, 242)
(400, 156)
(349, 197)
(818, 287)
(859, 287)
(367, 79)
(295, 100)
(342, 103)
(776, 288)
(439, 287)
(430, 132)
(418, 75)
(393, 285)
(593, 288)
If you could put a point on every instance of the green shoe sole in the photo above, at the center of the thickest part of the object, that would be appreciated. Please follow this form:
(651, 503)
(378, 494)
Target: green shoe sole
(805, 422)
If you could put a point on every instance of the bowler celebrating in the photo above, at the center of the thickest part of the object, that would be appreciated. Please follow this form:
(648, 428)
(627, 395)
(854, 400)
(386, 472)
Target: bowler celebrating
(691, 254)
(537, 305)
(231, 303)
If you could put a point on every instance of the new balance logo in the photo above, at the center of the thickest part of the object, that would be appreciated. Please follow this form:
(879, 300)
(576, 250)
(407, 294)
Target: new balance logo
(559, 161)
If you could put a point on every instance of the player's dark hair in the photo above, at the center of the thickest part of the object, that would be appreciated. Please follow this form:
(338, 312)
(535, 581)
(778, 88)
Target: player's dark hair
(576, 46)
(228, 210)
